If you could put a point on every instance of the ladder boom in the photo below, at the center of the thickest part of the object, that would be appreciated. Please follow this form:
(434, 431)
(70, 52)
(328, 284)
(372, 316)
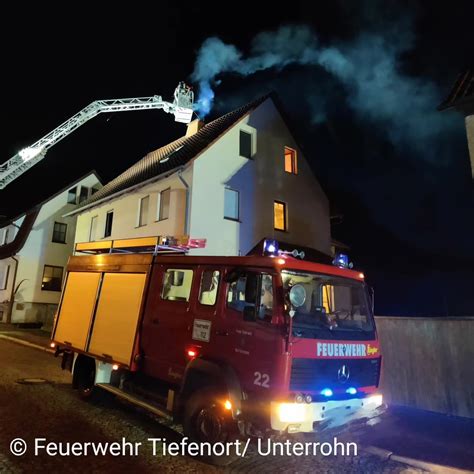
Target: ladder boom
(181, 108)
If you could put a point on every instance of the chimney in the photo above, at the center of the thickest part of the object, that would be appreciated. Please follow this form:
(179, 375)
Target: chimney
(194, 127)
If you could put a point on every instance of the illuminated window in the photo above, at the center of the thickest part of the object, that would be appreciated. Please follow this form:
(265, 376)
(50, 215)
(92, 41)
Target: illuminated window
(177, 284)
(290, 161)
(109, 219)
(164, 204)
(231, 204)
(245, 144)
(59, 233)
(209, 287)
(52, 278)
(279, 215)
(143, 211)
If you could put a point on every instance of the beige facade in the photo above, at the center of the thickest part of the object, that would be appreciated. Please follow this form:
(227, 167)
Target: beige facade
(200, 191)
(470, 139)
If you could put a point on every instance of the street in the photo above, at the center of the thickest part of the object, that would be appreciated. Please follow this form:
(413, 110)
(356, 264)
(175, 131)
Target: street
(53, 411)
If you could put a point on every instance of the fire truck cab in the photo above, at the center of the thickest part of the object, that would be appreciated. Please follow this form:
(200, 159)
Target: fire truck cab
(225, 345)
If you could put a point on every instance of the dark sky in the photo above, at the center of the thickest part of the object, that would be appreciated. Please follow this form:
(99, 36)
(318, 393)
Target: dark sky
(408, 214)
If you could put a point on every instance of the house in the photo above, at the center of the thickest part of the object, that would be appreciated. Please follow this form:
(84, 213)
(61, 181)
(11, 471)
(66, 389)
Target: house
(233, 181)
(461, 98)
(34, 249)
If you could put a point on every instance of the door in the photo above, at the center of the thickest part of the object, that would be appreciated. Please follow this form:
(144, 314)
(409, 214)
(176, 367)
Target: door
(167, 322)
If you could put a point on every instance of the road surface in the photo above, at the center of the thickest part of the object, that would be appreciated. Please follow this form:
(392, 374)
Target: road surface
(52, 411)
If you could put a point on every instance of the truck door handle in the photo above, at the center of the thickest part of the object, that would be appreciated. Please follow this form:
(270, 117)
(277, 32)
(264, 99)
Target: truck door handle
(222, 333)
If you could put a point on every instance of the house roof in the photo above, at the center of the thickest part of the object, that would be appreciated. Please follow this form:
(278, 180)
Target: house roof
(172, 156)
(461, 93)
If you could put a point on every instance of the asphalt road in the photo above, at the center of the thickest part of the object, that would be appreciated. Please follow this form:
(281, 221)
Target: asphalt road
(53, 411)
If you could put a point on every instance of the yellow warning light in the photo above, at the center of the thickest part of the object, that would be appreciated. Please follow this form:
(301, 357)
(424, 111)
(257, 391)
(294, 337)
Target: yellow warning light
(228, 405)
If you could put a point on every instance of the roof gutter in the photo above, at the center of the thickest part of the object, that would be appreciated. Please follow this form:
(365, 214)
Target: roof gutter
(124, 191)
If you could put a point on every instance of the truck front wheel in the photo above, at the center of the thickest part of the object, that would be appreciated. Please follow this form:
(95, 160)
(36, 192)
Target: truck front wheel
(206, 420)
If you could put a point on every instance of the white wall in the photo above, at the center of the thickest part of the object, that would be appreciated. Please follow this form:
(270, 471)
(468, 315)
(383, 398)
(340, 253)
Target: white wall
(39, 250)
(260, 181)
(125, 209)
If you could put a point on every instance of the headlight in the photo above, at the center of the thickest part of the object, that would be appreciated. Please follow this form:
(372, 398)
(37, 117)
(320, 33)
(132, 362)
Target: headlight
(292, 412)
(376, 400)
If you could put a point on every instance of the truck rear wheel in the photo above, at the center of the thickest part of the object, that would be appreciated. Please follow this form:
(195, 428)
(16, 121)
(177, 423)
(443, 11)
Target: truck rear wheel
(85, 378)
(207, 421)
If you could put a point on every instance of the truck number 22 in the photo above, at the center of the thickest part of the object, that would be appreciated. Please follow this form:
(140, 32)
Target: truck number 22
(262, 379)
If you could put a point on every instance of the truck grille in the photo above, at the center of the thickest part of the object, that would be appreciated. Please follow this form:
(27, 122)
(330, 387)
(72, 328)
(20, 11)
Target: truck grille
(316, 374)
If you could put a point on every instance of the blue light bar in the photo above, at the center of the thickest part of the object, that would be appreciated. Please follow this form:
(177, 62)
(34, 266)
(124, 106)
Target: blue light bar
(327, 392)
(270, 247)
(351, 391)
(341, 260)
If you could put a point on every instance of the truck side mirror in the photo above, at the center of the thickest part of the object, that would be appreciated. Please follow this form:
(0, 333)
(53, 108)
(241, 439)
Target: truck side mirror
(249, 313)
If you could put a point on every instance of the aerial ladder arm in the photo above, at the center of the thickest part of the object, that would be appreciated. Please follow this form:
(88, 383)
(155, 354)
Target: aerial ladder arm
(181, 108)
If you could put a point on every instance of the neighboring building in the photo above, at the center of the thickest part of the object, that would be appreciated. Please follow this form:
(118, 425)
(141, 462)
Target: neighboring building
(34, 249)
(461, 98)
(234, 181)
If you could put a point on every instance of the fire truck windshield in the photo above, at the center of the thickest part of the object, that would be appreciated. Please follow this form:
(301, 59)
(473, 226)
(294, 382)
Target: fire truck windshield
(324, 304)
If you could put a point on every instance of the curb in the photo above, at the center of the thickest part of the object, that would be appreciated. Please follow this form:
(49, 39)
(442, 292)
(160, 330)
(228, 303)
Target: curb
(426, 466)
(26, 343)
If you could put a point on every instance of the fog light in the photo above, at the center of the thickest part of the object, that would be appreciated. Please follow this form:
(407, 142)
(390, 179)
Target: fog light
(291, 412)
(308, 398)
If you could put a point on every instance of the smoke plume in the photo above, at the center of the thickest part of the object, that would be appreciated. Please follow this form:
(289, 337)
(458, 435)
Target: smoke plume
(368, 67)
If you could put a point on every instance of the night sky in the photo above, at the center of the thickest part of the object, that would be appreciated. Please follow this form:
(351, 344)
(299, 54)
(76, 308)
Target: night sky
(394, 168)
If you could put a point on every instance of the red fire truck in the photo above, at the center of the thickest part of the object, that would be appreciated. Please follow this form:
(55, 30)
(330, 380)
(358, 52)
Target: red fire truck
(227, 346)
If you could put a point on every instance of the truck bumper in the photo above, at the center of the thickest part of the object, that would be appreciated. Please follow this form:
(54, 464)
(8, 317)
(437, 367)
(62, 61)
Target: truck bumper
(305, 417)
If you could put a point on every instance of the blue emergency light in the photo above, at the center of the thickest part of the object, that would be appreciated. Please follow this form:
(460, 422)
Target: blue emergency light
(351, 391)
(326, 392)
(270, 247)
(342, 261)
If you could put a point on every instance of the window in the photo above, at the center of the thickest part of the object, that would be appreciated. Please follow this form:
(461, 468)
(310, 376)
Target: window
(252, 290)
(209, 287)
(59, 232)
(4, 278)
(93, 230)
(52, 278)
(71, 196)
(84, 194)
(245, 144)
(290, 161)
(177, 284)
(143, 211)
(94, 190)
(109, 219)
(231, 204)
(4, 239)
(279, 215)
(164, 204)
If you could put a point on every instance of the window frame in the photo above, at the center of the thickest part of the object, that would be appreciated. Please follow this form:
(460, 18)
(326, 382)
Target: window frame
(69, 194)
(55, 232)
(178, 269)
(251, 144)
(160, 204)
(235, 219)
(6, 274)
(285, 215)
(294, 160)
(61, 280)
(106, 223)
(140, 208)
(200, 292)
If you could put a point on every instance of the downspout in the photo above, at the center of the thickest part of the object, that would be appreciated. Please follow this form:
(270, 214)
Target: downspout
(12, 296)
(186, 210)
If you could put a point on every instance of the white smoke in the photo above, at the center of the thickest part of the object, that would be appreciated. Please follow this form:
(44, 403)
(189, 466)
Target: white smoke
(368, 67)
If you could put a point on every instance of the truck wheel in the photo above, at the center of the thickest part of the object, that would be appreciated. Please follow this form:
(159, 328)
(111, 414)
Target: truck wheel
(207, 421)
(86, 379)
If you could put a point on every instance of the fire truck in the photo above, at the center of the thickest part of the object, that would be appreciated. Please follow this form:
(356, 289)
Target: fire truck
(225, 346)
